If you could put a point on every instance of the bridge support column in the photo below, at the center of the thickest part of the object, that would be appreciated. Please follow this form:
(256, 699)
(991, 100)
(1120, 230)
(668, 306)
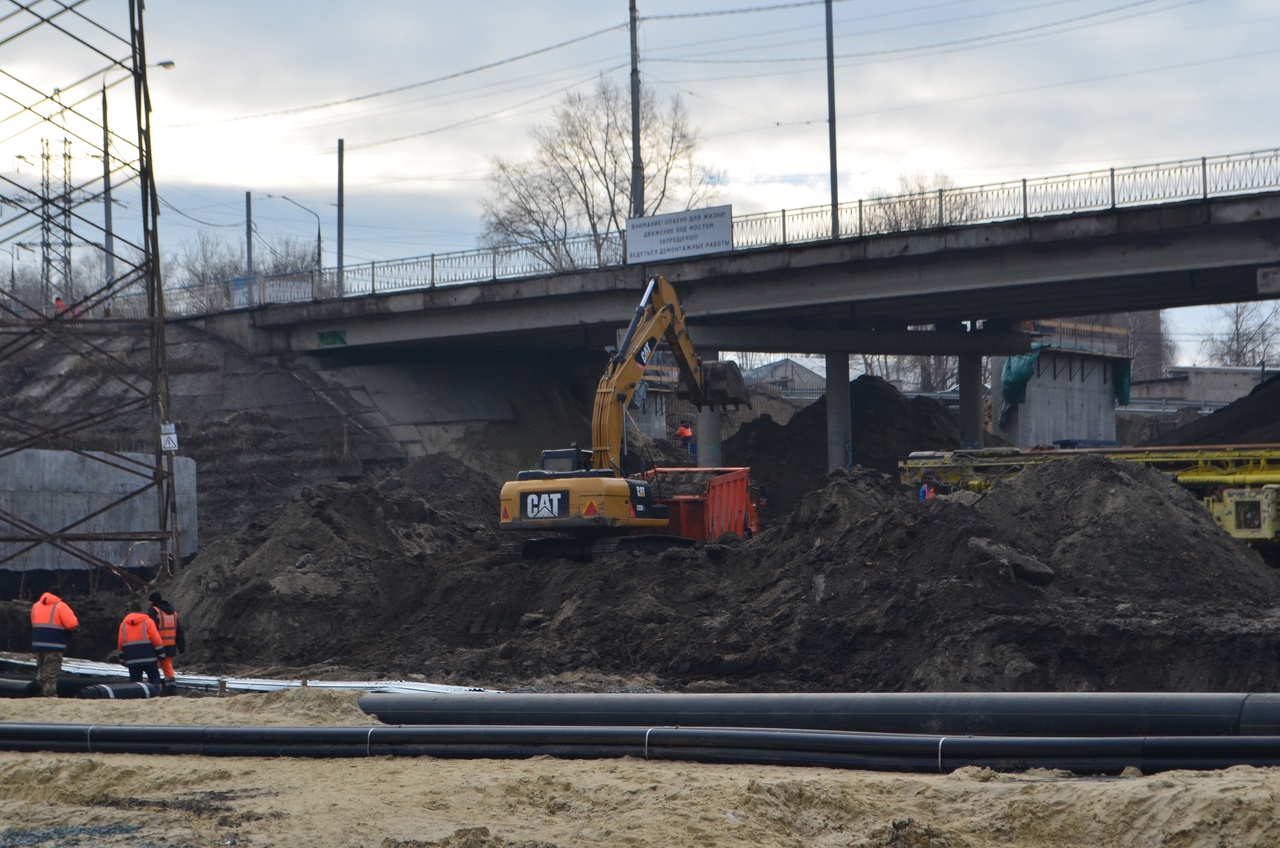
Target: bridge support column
(706, 430)
(839, 418)
(707, 434)
(971, 417)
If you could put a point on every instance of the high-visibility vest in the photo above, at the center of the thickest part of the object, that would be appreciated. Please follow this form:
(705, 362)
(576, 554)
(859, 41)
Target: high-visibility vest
(50, 626)
(168, 625)
(138, 640)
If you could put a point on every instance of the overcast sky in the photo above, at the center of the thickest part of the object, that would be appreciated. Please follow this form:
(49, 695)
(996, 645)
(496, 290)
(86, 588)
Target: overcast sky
(426, 94)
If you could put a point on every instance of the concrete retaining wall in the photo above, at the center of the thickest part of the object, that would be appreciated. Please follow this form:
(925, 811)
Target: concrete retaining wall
(52, 490)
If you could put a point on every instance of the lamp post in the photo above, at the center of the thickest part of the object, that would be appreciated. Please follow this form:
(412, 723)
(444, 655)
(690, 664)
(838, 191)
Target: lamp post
(319, 243)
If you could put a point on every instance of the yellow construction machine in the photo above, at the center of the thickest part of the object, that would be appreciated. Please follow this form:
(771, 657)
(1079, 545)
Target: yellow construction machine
(1239, 484)
(591, 499)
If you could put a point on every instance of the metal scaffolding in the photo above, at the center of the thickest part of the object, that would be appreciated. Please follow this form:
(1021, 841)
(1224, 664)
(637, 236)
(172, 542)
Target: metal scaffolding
(82, 317)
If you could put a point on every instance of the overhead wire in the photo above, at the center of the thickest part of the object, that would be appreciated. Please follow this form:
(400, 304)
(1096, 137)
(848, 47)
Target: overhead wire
(943, 46)
(1006, 92)
(844, 22)
(414, 85)
(477, 119)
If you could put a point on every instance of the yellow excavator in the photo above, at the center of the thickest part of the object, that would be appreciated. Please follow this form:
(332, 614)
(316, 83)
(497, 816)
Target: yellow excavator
(589, 497)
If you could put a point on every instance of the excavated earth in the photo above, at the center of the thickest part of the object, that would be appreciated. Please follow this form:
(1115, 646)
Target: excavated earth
(1079, 575)
(1075, 576)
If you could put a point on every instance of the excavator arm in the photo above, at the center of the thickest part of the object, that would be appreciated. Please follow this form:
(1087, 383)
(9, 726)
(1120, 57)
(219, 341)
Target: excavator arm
(659, 316)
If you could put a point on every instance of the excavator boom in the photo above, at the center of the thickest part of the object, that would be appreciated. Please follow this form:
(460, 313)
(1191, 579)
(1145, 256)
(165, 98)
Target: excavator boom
(659, 317)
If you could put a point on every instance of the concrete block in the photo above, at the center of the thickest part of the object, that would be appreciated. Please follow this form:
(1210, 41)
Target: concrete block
(52, 491)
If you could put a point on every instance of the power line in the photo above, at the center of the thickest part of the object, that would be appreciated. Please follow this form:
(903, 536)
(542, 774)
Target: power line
(1013, 34)
(968, 98)
(743, 11)
(166, 204)
(476, 119)
(397, 89)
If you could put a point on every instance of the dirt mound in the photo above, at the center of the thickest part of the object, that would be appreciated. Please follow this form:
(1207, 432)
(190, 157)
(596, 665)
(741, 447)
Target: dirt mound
(1125, 532)
(1074, 576)
(1252, 420)
(790, 459)
(1079, 574)
(324, 575)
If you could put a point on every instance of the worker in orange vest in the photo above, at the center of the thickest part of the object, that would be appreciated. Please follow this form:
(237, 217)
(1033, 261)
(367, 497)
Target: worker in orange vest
(52, 621)
(684, 435)
(166, 621)
(139, 645)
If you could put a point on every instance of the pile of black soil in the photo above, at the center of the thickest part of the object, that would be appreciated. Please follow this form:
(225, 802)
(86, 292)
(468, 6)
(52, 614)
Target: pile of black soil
(887, 426)
(1077, 575)
(1252, 420)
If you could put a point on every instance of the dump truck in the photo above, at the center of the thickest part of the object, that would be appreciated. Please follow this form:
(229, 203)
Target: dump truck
(583, 502)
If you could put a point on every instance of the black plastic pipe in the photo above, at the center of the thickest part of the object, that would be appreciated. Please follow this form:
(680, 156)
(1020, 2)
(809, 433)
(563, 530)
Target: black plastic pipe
(978, 713)
(18, 688)
(68, 685)
(837, 749)
(120, 691)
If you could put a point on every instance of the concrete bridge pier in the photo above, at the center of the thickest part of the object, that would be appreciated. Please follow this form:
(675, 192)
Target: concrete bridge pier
(708, 438)
(707, 433)
(839, 417)
(972, 422)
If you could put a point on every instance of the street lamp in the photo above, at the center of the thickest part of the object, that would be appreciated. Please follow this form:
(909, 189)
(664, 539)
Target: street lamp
(319, 253)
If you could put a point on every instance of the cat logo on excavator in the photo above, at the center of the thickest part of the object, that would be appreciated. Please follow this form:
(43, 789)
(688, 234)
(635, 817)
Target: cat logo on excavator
(546, 504)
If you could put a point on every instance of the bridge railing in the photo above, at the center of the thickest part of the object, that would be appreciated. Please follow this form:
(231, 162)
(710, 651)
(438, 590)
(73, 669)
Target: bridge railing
(1238, 173)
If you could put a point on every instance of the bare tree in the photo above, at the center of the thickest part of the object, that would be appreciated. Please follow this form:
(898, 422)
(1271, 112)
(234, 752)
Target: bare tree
(922, 201)
(1245, 334)
(937, 373)
(202, 272)
(894, 369)
(205, 271)
(1151, 350)
(578, 181)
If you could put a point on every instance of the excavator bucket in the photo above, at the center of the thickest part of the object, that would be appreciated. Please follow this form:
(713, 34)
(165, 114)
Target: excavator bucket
(722, 385)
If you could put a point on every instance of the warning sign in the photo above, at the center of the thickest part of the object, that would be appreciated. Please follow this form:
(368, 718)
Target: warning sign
(679, 234)
(168, 437)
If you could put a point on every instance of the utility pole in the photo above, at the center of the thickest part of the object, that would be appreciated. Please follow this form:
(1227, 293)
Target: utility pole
(831, 126)
(108, 245)
(342, 283)
(248, 245)
(637, 164)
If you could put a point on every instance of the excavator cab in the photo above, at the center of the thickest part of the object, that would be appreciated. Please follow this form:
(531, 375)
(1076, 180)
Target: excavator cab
(567, 459)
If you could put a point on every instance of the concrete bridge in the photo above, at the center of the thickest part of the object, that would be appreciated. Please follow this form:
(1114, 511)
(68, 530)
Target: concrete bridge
(970, 285)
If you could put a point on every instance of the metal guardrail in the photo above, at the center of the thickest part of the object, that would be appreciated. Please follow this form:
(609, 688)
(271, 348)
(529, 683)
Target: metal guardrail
(1210, 176)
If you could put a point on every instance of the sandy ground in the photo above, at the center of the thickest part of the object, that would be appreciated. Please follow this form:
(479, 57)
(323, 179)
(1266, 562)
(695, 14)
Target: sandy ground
(140, 800)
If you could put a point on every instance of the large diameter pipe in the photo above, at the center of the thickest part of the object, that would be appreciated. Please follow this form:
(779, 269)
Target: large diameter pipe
(68, 686)
(14, 688)
(871, 751)
(120, 691)
(983, 713)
